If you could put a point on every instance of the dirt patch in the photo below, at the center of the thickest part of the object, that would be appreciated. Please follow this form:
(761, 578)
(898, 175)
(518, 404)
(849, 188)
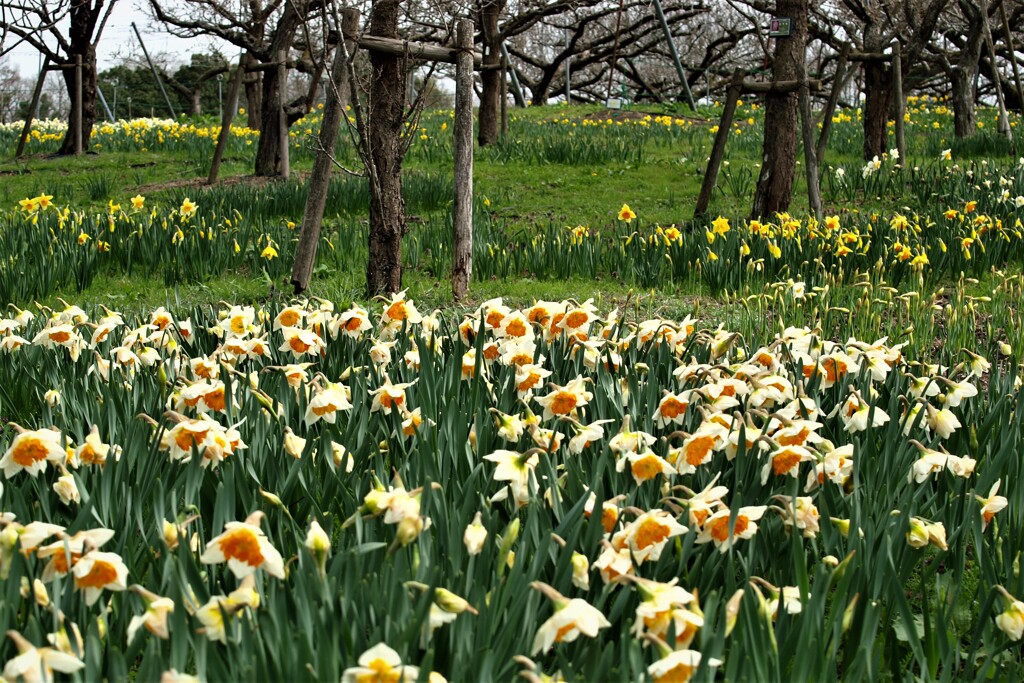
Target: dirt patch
(250, 180)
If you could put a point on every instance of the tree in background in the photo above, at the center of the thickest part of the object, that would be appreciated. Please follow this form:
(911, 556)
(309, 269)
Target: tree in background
(62, 30)
(262, 29)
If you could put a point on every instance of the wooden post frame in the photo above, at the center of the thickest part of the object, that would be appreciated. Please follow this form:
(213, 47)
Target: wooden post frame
(462, 210)
(466, 60)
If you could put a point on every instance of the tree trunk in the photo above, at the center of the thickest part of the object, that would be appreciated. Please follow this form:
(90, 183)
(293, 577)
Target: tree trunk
(88, 98)
(197, 102)
(253, 95)
(490, 76)
(962, 75)
(781, 117)
(386, 151)
(268, 151)
(877, 102)
(962, 81)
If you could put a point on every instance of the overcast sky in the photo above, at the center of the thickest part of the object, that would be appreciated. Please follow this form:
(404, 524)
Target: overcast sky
(119, 41)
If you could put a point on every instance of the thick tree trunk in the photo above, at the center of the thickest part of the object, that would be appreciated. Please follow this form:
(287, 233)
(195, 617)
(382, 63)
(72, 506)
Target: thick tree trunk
(268, 152)
(962, 98)
(781, 118)
(877, 103)
(490, 77)
(386, 113)
(197, 102)
(88, 98)
(962, 75)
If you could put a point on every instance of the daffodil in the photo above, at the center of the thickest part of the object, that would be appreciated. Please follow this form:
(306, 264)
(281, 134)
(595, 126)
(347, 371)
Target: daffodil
(245, 548)
(626, 214)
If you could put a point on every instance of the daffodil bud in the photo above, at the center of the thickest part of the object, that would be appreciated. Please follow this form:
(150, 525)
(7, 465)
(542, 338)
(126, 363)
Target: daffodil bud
(475, 536)
(319, 544)
(917, 535)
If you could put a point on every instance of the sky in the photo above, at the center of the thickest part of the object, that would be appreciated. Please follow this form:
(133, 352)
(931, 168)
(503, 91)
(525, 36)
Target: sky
(119, 41)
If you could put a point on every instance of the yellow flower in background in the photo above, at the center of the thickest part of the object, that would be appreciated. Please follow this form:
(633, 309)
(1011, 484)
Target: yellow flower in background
(44, 201)
(720, 225)
(946, 155)
(269, 252)
(626, 213)
(138, 201)
(83, 237)
(27, 205)
(188, 207)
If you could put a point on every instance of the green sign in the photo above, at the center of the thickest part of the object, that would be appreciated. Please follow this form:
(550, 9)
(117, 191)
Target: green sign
(780, 27)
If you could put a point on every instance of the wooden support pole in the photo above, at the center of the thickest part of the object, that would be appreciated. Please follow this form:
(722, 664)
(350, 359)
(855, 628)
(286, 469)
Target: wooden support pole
(1004, 120)
(764, 88)
(732, 95)
(1013, 54)
(156, 74)
(225, 123)
(320, 177)
(504, 95)
(810, 152)
(833, 100)
(425, 51)
(462, 210)
(517, 92)
(37, 93)
(78, 105)
(284, 162)
(901, 103)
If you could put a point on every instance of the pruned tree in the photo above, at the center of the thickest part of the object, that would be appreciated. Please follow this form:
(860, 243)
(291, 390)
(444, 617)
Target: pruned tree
(872, 26)
(263, 29)
(63, 31)
(587, 36)
(190, 81)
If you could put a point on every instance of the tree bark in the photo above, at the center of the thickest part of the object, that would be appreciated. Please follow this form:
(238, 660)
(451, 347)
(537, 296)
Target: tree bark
(253, 95)
(877, 102)
(491, 76)
(781, 119)
(962, 75)
(269, 161)
(386, 152)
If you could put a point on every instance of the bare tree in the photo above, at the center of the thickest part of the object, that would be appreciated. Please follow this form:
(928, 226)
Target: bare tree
(263, 29)
(63, 31)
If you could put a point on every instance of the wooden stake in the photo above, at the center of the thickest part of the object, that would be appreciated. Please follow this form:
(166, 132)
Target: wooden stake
(462, 210)
(732, 95)
(284, 163)
(36, 94)
(78, 105)
(504, 95)
(901, 104)
(320, 178)
(810, 153)
(226, 118)
(830, 107)
(1004, 120)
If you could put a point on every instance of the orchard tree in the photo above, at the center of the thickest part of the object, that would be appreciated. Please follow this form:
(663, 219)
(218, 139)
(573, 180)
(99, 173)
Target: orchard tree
(62, 31)
(263, 29)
